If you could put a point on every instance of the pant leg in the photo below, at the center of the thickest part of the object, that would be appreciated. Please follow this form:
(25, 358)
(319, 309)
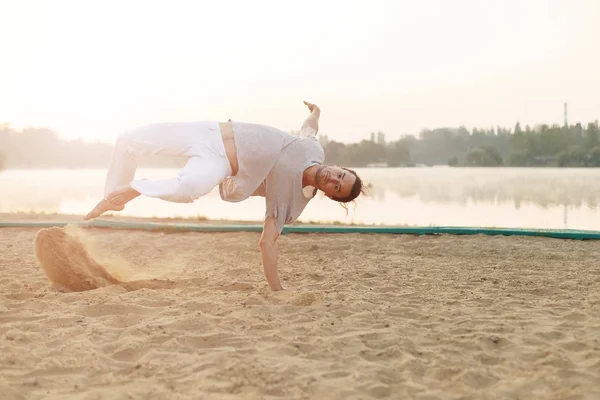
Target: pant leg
(164, 139)
(197, 178)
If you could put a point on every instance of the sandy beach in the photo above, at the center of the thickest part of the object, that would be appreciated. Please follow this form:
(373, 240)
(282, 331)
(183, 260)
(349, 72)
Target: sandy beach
(366, 316)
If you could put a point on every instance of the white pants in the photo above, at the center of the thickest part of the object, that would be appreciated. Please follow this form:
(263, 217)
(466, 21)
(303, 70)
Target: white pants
(202, 142)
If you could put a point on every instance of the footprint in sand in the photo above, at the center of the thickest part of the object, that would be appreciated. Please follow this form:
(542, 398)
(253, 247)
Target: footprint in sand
(307, 299)
(68, 265)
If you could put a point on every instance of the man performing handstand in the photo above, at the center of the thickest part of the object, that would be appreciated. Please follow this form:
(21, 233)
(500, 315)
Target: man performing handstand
(243, 159)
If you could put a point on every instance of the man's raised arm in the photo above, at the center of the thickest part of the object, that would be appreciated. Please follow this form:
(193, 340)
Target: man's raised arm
(310, 127)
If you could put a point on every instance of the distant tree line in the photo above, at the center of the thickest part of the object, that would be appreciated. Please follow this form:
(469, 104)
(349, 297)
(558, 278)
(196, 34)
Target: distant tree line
(543, 145)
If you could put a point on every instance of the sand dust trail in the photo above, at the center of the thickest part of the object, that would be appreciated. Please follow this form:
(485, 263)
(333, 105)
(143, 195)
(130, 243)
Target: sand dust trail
(64, 257)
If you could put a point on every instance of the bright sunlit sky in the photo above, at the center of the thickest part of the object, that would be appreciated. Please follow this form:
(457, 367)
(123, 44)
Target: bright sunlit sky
(90, 69)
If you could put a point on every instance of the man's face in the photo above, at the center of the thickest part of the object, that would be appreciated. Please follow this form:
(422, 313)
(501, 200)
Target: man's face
(334, 181)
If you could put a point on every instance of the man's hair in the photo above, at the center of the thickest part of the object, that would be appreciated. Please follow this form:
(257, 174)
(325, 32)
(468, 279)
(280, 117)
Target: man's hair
(357, 188)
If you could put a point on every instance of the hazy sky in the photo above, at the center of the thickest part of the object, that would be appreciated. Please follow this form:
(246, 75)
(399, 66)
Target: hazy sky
(89, 69)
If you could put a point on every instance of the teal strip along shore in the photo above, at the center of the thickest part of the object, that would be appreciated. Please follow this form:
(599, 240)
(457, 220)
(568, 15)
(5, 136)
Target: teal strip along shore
(430, 230)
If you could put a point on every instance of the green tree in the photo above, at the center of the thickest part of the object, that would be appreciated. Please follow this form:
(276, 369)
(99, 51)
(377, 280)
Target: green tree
(552, 140)
(335, 153)
(520, 159)
(484, 156)
(398, 153)
(574, 156)
(591, 136)
(518, 128)
(594, 157)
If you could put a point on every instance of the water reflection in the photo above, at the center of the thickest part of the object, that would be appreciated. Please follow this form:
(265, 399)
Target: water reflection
(541, 187)
(510, 197)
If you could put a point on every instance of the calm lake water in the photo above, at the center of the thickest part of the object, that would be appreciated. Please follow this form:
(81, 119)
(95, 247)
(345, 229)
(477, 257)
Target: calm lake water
(438, 196)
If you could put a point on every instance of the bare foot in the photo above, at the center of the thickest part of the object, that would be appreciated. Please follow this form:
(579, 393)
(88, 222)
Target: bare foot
(102, 207)
(122, 195)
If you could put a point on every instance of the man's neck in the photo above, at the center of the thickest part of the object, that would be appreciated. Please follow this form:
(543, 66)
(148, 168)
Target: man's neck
(308, 176)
